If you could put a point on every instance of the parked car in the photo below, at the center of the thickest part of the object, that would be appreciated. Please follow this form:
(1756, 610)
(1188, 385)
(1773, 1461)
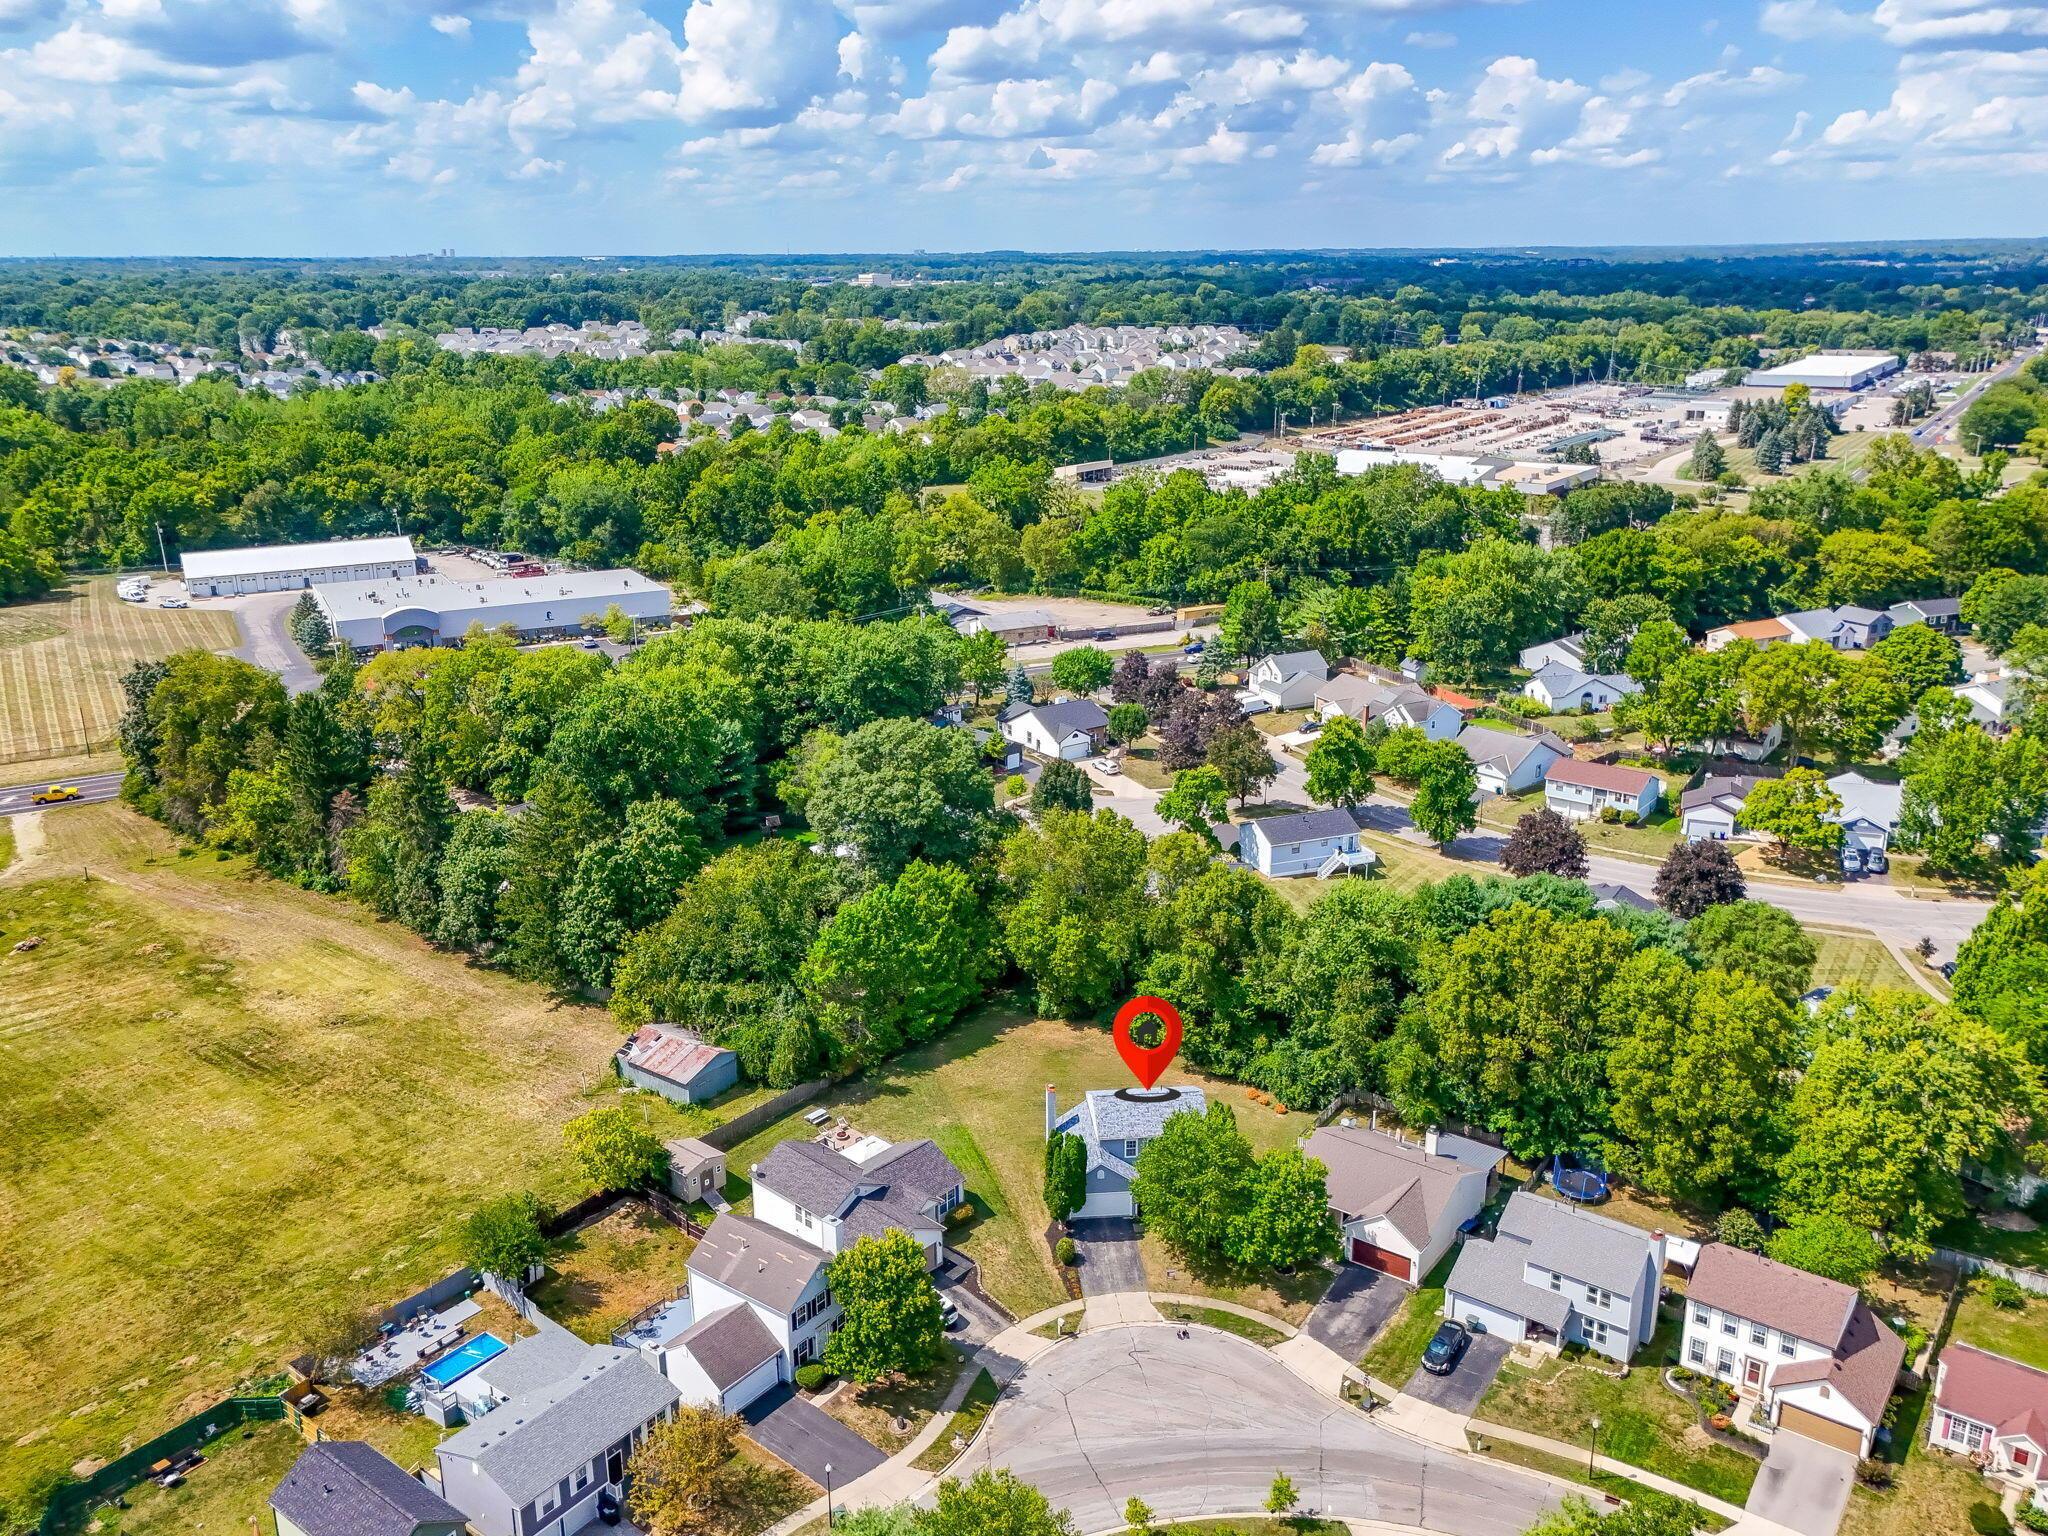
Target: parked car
(950, 1313)
(172, 602)
(590, 642)
(1108, 765)
(1192, 648)
(1852, 861)
(1251, 704)
(1105, 634)
(1876, 862)
(1445, 1349)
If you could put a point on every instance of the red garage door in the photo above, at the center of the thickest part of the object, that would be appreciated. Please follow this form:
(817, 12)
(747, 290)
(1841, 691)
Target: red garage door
(1372, 1257)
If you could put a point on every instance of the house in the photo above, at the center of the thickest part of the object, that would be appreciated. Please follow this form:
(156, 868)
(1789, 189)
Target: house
(1305, 843)
(1401, 1203)
(1287, 680)
(1508, 762)
(1394, 705)
(1807, 1349)
(696, 1169)
(1561, 689)
(1565, 651)
(1019, 626)
(1847, 628)
(537, 1464)
(1870, 810)
(1942, 613)
(1555, 1274)
(1607, 896)
(1758, 632)
(1069, 728)
(1581, 791)
(1712, 808)
(831, 1200)
(1114, 1125)
(1993, 1410)
(677, 1064)
(743, 1261)
(725, 1359)
(347, 1488)
(1748, 749)
(1991, 702)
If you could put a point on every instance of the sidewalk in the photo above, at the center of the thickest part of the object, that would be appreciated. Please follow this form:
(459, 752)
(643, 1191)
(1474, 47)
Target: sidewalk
(1635, 1474)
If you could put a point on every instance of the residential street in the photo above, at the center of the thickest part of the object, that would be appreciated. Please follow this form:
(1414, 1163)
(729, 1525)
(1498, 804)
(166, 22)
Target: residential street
(91, 787)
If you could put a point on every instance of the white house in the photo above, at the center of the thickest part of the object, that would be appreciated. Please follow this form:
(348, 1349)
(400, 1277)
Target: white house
(1564, 651)
(1993, 1410)
(1808, 1350)
(1507, 762)
(1712, 808)
(1561, 689)
(743, 1261)
(1990, 700)
(1758, 632)
(1581, 791)
(1307, 843)
(725, 1359)
(1288, 679)
(1401, 1203)
(1114, 1125)
(1069, 728)
(1555, 1274)
(1366, 699)
(1870, 810)
(832, 1200)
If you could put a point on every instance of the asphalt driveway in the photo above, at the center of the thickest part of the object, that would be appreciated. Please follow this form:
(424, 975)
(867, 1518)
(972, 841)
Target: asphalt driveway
(1804, 1485)
(1460, 1391)
(807, 1437)
(1354, 1309)
(1109, 1256)
(1198, 1426)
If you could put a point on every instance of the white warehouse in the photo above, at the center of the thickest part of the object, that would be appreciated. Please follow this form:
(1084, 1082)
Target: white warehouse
(282, 567)
(1829, 370)
(437, 610)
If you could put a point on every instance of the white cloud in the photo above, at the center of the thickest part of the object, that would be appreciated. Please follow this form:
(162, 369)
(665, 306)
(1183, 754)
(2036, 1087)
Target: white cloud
(1803, 21)
(1958, 23)
(1431, 40)
(1356, 149)
(1760, 80)
(754, 59)
(450, 26)
(1514, 108)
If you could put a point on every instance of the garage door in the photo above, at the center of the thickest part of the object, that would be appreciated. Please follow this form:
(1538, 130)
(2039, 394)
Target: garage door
(1814, 1427)
(1374, 1257)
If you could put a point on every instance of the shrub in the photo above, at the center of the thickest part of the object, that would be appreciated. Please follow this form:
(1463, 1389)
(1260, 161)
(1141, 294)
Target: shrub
(1065, 1251)
(960, 1215)
(2033, 1517)
(1739, 1229)
(1610, 814)
(2037, 1203)
(1987, 1519)
(1875, 1474)
(1015, 785)
(2006, 1295)
(811, 1376)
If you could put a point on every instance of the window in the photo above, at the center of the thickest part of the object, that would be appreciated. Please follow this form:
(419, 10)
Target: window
(1696, 1352)
(1759, 1334)
(1598, 1297)
(1131, 1151)
(1702, 1315)
(1556, 1281)
(1785, 1345)
(1724, 1363)
(1728, 1326)
(2021, 1456)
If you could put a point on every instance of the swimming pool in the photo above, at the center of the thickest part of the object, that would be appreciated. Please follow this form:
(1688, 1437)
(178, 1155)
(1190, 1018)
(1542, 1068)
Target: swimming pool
(473, 1353)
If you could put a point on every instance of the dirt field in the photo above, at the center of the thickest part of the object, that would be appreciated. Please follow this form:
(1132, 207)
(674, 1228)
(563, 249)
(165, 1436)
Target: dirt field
(224, 1102)
(61, 660)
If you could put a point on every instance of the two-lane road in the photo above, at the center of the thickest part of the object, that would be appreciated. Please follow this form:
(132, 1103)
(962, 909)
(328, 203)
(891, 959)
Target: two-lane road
(91, 787)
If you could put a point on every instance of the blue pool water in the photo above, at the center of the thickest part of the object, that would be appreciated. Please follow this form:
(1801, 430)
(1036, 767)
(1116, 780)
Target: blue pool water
(474, 1352)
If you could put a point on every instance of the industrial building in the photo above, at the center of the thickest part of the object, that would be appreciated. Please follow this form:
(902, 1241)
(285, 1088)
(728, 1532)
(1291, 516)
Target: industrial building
(283, 567)
(392, 614)
(1530, 477)
(1828, 370)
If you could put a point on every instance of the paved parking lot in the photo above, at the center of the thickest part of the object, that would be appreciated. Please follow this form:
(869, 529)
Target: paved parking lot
(1354, 1309)
(1109, 1256)
(1460, 1391)
(809, 1438)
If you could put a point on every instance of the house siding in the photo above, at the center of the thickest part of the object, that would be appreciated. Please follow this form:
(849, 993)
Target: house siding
(1303, 858)
(718, 1076)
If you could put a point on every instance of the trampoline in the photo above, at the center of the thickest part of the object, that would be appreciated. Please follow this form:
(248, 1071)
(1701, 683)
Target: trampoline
(1578, 1178)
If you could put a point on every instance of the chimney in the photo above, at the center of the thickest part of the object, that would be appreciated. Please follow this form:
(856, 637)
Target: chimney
(1429, 1141)
(1052, 1111)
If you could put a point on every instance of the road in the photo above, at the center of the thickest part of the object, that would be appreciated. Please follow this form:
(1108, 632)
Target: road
(1938, 427)
(94, 786)
(265, 622)
(1198, 1426)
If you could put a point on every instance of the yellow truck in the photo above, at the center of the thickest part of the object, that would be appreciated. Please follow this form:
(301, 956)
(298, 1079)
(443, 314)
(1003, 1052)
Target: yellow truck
(56, 794)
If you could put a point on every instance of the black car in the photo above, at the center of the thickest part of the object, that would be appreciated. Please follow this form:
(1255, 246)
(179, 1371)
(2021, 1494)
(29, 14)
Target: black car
(608, 1509)
(1445, 1349)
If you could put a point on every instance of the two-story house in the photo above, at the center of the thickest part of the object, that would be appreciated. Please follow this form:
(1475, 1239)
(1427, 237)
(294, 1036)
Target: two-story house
(1507, 762)
(743, 1261)
(831, 1201)
(1115, 1124)
(1287, 679)
(1555, 1274)
(1993, 1410)
(1581, 791)
(1808, 1349)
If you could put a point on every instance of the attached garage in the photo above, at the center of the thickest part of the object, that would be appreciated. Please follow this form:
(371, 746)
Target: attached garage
(1477, 1314)
(1802, 1421)
(1385, 1260)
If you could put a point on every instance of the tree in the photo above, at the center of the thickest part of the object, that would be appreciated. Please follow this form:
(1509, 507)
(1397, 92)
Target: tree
(1285, 1220)
(1061, 786)
(394, 854)
(1197, 801)
(1770, 452)
(2002, 968)
(1019, 689)
(503, 1237)
(1127, 681)
(474, 864)
(1281, 1498)
(898, 790)
(994, 1502)
(614, 1150)
(309, 626)
(1445, 783)
(1739, 1229)
(1897, 1100)
(1969, 798)
(1919, 658)
(1340, 764)
(1239, 757)
(335, 1333)
(1083, 669)
(984, 662)
(1753, 938)
(1798, 810)
(1192, 1181)
(1127, 722)
(678, 1467)
(1076, 907)
(1655, 647)
(1827, 1246)
(207, 716)
(1474, 611)
(1696, 876)
(1708, 463)
(1251, 621)
(891, 1320)
(626, 882)
(1066, 1174)
(1138, 1516)
(1544, 843)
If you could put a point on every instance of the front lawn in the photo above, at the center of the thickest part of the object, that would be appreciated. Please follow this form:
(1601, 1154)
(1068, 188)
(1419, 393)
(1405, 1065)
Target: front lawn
(965, 1424)
(600, 1277)
(1932, 1491)
(1573, 1469)
(1397, 1351)
(1261, 1334)
(2019, 1334)
(1856, 960)
(1642, 1421)
(889, 1413)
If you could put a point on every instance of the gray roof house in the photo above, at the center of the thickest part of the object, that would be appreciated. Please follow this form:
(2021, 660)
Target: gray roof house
(1563, 688)
(1400, 1203)
(1069, 728)
(347, 1488)
(1287, 679)
(1870, 809)
(1942, 613)
(1507, 762)
(728, 1359)
(1115, 1124)
(1319, 843)
(745, 1254)
(535, 1466)
(1556, 1274)
(825, 1198)
(1366, 699)
(1712, 808)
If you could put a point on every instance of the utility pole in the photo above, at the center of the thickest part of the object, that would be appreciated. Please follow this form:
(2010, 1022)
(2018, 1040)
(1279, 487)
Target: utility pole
(161, 554)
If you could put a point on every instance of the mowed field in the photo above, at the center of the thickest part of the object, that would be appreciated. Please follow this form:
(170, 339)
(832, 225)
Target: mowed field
(61, 660)
(223, 1103)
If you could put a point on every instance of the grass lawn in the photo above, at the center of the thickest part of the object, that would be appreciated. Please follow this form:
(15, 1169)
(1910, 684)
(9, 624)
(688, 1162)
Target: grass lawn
(965, 1424)
(1653, 839)
(1405, 865)
(226, 1494)
(1141, 762)
(1931, 1491)
(2021, 1334)
(1254, 1525)
(1397, 1351)
(6, 841)
(875, 1412)
(1643, 1422)
(1909, 871)
(1215, 1317)
(1856, 960)
(228, 1102)
(1573, 1469)
(61, 660)
(757, 1491)
(601, 1276)
(2028, 1250)
(979, 1092)
(1637, 1208)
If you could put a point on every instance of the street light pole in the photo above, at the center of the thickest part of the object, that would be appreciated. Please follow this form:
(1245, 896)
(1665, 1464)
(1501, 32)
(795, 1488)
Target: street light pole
(828, 1495)
(1593, 1450)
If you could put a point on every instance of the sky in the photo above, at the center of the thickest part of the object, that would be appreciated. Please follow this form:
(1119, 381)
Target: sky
(530, 127)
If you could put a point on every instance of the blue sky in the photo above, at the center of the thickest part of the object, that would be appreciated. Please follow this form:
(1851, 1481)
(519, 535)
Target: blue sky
(370, 127)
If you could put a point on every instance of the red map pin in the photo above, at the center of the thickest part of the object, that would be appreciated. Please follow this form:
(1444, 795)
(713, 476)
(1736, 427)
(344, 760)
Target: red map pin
(1147, 1062)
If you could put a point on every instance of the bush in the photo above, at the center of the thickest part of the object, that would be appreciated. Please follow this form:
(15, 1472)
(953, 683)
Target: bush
(1610, 814)
(1875, 1474)
(2006, 1295)
(1015, 785)
(2033, 1517)
(1065, 1251)
(811, 1376)
(960, 1215)
(1987, 1519)
(1739, 1229)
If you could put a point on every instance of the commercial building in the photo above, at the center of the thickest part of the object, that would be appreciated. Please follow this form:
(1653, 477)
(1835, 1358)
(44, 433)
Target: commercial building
(282, 567)
(1532, 477)
(1828, 370)
(438, 610)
